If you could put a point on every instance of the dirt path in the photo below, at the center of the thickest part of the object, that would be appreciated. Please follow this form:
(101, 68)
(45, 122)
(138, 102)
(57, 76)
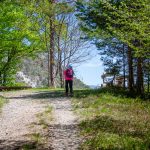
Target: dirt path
(64, 127)
(19, 120)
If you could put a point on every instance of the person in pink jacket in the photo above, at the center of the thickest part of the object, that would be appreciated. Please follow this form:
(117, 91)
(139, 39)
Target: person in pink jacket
(68, 76)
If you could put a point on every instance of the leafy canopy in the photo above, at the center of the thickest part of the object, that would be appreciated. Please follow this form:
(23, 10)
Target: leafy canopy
(126, 20)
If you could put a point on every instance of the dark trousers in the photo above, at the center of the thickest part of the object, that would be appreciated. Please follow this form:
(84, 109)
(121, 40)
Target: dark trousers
(69, 85)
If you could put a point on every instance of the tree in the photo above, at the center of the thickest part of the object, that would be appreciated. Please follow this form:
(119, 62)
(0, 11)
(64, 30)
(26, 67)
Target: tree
(114, 53)
(146, 70)
(59, 33)
(17, 39)
(127, 21)
(45, 14)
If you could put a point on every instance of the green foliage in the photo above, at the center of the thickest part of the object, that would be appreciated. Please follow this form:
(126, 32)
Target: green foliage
(111, 121)
(18, 39)
(25, 31)
(127, 21)
(41, 12)
(113, 54)
(36, 142)
(115, 91)
(30, 146)
(19, 84)
(45, 117)
(121, 31)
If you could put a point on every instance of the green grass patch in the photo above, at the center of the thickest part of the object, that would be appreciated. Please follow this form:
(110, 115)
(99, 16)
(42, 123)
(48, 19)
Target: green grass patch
(30, 146)
(37, 141)
(37, 138)
(43, 89)
(2, 102)
(116, 91)
(111, 121)
(48, 110)
(45, 117)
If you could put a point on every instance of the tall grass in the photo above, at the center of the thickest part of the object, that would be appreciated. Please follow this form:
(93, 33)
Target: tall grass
(111, 121)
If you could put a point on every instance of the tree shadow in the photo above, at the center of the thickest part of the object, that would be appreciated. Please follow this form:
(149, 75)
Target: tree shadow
(105, 125)
(110, 125)
(41, 95)
(21, 145)
(77, 93)
(116, 91)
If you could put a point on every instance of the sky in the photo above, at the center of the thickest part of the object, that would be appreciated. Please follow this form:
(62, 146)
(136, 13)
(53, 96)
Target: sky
(90, 72)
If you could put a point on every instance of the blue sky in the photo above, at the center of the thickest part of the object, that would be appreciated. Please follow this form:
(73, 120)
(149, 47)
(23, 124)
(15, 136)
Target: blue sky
(90, 72)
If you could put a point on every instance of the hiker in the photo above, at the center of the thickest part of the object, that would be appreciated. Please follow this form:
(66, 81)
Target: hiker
(68, 75)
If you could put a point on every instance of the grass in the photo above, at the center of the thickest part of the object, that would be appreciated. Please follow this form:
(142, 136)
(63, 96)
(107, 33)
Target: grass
(112, 121)
(48, 110)
(42, 89)
(29, 147)
(2, 102)
(44, 120)
(38, 139)
(45, 117)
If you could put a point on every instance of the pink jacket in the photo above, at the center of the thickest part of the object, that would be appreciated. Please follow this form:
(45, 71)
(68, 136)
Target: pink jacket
(65, 77)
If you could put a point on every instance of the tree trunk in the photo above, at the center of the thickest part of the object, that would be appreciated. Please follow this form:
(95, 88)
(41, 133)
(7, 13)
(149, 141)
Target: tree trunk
(148, 82)
(148, 77)
(51, 54)
(60, 65)
(140, 87)
(48, 68)
(1, 78)
(61, 76)
(130, 68)
(51, 51)
(4, 78)
(124, 68)
(60, 70)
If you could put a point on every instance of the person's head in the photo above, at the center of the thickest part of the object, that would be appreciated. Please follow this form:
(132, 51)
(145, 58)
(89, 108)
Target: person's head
(69, 67)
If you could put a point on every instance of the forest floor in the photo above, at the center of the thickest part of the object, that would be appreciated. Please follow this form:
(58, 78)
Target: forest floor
(34, 119)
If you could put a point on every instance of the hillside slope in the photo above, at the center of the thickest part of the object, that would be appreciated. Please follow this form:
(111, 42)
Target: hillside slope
(35, 73)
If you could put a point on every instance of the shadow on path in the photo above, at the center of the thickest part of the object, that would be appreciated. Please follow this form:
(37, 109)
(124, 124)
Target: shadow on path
(62, 132)
(41, 95)
(21, 145)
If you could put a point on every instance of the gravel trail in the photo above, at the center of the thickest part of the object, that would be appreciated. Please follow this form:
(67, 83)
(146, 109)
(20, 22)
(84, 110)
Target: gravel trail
(21, 112)
(16, 119)
(64, 127)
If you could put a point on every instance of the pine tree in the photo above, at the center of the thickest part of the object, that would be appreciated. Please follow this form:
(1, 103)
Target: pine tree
(127, 21)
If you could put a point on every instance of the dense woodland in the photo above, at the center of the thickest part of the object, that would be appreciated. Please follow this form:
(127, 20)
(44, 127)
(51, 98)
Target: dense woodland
(61, 31)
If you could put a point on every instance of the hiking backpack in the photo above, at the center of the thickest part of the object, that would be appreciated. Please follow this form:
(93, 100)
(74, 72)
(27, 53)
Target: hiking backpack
(69, 73)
